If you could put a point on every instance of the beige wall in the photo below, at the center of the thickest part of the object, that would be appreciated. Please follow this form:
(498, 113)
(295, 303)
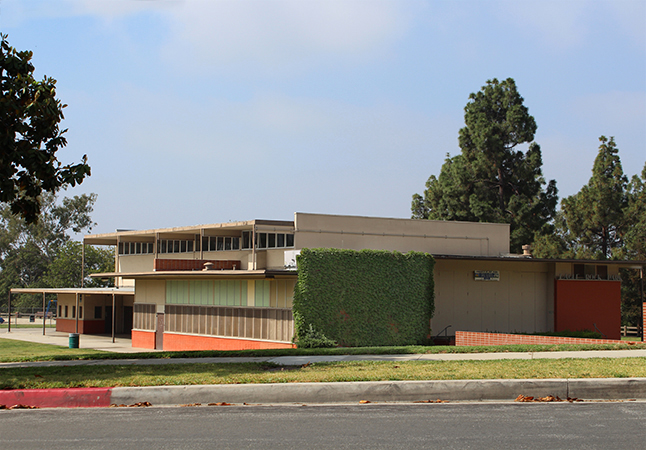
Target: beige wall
(151, 291)
(519, 302)
(437, 237)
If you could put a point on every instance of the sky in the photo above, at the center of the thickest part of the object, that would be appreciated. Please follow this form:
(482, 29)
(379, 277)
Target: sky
(198, 112)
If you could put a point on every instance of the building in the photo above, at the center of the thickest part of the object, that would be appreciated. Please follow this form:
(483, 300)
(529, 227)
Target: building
(230, 285)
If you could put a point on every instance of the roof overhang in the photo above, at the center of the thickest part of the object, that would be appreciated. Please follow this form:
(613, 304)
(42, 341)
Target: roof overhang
(200, 274)
(186, 232)
(85, 291)
(529, 260)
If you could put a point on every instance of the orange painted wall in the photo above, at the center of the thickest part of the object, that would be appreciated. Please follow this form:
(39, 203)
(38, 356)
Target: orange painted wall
(143, 339)
(579, 304)
(177, 342)
(85, 326)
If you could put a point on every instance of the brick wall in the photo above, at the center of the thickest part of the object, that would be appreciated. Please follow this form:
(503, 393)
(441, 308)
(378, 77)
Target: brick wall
(466, 338)
(193, 264)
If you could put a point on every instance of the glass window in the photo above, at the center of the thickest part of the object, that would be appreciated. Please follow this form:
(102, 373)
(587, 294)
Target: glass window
(163, 246)
(73, 312)
(280, 240)
(227, 243)
(205, 243)
(176, 246)
(212, 243)
(220, 246)
(138, 248)
(261, 240)
(189, 246)
(182, 246)
(271, 240)
(246, 239)
(151, 247)
(235, 243)
(121, 248)
(80, 312)
(66, 310)
(126, 248)
(290, 240)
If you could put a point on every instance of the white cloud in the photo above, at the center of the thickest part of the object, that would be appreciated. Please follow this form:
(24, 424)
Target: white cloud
(292, 34)
(560, 24)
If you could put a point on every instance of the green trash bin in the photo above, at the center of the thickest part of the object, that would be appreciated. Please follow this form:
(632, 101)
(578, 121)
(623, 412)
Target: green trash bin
(74, 340)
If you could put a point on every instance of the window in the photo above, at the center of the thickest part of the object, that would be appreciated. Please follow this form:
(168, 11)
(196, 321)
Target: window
(235, 243)
(80, 312)
(66, 310)
(73, 312)
(280, 240)
(97, 312)
(220, 246)
(246, 239)
(227, 243)
(60, 310)
(271, 240)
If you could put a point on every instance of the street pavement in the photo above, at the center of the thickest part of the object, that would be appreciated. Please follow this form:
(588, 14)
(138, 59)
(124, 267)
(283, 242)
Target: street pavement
(382, 391)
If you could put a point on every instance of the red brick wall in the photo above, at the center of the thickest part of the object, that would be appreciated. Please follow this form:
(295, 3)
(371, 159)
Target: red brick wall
(579, 304)
(193, 264)
(466, 338)
(143, 339)
(177, 342)
(85, 326)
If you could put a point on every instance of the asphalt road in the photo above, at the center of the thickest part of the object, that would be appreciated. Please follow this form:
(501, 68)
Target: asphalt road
(602, 425)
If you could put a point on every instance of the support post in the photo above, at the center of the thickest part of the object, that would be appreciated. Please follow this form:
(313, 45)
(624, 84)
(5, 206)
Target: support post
(44, 315)
(76, 315)
(9, 315)
(83, 264)
(113, 315)
(641, 279)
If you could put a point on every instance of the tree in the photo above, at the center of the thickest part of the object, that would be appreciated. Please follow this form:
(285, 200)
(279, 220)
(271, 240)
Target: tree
(595, 215)
(65, 270)
(635, 236)
(35, 254)
(492, 180)
(30, 136)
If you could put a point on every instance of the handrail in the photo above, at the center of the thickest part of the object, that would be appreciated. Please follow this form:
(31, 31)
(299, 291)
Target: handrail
(443, 331)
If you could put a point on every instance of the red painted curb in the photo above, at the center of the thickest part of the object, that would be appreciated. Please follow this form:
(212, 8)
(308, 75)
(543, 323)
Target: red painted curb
(57, 398)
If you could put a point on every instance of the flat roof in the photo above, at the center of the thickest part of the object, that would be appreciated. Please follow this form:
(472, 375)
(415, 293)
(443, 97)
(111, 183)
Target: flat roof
(111, 290)
(176, 232)
(529, 259)
(199, 274)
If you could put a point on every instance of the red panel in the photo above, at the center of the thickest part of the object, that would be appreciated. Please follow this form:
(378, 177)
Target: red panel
(85, 326)
(579, 304)
(193, 264)
(143, 339)
(178, 342)
(57, 398)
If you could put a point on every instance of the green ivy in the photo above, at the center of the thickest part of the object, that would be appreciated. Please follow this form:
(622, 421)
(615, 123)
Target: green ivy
(365, 297)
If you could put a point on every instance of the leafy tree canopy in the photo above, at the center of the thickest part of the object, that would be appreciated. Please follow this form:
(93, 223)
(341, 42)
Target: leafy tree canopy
(42, 254)
(30, 136)
(492, 180)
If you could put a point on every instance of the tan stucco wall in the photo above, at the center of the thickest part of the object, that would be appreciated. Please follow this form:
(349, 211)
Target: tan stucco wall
(437, 237)
(519, 302)
(151, 291)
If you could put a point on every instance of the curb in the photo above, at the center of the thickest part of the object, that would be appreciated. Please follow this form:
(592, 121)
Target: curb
(341, 392)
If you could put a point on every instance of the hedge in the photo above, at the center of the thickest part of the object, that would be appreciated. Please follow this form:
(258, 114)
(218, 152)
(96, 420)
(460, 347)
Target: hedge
(364, 298)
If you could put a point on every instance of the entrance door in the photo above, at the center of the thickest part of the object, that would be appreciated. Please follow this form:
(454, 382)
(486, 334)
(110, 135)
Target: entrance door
(159, 334)
(108, 319)
(127, 319)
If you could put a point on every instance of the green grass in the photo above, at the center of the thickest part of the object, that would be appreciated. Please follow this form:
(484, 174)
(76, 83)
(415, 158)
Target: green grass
(31, 325)
(12, 350)
(236, 373)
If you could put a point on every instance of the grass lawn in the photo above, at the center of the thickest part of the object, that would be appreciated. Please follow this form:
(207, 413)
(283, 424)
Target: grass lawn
(187, 374)
(13, 350)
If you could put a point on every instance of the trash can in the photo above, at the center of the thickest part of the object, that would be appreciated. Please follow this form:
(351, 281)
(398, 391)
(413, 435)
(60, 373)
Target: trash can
(32, 318)
(74, 340)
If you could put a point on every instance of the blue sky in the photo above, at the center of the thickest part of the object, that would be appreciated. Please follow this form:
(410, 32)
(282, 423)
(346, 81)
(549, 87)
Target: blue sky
(195, 112)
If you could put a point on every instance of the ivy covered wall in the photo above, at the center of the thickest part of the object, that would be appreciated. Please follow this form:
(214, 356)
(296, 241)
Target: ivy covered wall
(365, 297)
